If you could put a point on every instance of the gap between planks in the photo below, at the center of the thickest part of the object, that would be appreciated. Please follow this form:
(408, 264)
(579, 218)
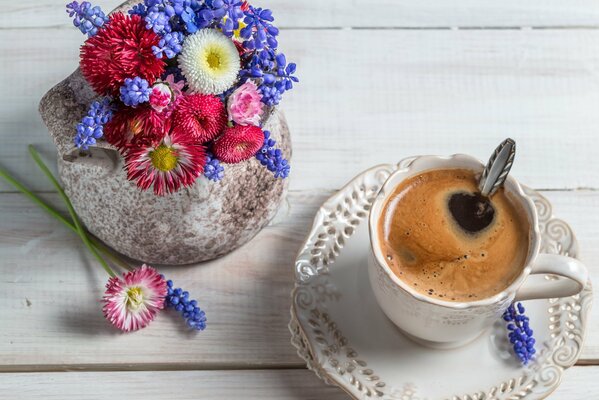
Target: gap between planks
(166, 367)
(163, 367)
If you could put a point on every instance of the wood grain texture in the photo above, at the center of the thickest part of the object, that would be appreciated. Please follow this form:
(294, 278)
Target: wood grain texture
(388, 95)
(298, 384)
(51, 317)
(182, 385)
(375, 13)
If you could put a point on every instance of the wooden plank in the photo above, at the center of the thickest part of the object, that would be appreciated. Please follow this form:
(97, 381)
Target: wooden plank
(375, 13)
(180, 385)
(373, 96)
(51, 317)
(190, 385)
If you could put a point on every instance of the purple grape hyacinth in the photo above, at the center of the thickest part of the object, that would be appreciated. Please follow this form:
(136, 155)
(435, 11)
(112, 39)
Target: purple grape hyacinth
(179, 300)
(520, 334)
(272, 158)
(227, 13)
(259, 33)
(135, 91)
(87, 18)
(170, 45)
(213, 170)
(91, 127)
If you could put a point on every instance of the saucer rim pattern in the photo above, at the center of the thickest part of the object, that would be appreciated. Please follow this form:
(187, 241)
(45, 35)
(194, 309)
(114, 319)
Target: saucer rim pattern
(316, 337)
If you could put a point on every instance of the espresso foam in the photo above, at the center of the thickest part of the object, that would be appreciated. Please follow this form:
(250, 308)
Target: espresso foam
(427, 248)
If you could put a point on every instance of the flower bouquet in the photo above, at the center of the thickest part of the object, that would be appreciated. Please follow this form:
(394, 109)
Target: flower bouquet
(171, 147)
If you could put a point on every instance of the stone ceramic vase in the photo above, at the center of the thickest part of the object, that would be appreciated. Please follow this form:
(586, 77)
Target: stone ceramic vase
(199, 223)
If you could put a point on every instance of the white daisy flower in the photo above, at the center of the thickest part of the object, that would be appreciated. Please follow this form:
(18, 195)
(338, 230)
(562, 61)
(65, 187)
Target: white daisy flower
(210, 62)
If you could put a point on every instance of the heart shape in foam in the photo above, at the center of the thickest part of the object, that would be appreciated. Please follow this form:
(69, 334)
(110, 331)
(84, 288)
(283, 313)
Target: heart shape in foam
(472, 212)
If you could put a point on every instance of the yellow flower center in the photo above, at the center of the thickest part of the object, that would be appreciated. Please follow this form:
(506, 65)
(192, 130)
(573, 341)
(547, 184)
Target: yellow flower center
(164, 158)
(213, 59)
(134, 298)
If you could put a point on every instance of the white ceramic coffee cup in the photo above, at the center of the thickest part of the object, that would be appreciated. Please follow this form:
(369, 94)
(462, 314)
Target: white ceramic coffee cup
(444, 324)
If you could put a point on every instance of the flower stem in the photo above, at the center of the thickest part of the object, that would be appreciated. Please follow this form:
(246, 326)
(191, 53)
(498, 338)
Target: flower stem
(36, 157)
(108, 253)
(36, 199)
(56, 214)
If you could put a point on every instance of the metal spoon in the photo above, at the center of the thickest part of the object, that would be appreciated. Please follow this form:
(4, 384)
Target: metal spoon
(497, 168)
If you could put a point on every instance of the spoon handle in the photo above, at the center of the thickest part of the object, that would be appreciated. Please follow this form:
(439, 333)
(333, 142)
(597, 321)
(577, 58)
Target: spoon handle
(497, 168)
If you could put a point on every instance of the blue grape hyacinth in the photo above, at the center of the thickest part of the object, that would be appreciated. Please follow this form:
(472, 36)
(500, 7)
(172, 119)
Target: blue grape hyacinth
(259, 33)
(227, 13)
(272, 158)
(135, 91)
(520, 334)
(91, 127)
(178, 299)
(87, 18)
(170, 45)
(213, 170)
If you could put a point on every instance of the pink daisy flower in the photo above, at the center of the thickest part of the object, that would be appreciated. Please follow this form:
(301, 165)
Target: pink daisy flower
(174, 162)
(132, 302)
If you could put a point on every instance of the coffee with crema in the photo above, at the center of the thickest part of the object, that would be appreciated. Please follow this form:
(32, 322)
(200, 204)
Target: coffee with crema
(447, 242)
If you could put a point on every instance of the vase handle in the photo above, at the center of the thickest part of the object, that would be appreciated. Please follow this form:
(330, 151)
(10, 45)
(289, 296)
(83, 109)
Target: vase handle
(61, 110)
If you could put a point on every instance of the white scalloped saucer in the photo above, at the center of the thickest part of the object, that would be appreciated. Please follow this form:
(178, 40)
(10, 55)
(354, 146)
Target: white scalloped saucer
(339, 330)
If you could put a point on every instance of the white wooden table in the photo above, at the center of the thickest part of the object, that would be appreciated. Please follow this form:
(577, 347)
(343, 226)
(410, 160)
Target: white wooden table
(380, 80)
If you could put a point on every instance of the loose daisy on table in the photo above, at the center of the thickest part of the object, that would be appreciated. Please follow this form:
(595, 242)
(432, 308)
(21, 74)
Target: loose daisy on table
(132, 302)
(186, 87)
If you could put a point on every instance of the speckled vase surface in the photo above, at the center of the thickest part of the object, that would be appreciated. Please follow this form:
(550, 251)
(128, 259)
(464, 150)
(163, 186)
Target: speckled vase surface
(199, 223)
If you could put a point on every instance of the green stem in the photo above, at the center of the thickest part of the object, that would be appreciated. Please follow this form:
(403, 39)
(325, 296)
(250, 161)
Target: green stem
(36, 199)
(108, 253)
(36, 157)
(54, 213)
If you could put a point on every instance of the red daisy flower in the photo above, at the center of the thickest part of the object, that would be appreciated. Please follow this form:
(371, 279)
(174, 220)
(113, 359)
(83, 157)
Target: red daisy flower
(137, 125)
(238, 143)
(121, 49)
(201, 116)
(176, 161)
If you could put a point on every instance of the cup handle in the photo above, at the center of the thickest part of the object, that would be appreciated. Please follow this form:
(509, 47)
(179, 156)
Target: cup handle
(573, 276)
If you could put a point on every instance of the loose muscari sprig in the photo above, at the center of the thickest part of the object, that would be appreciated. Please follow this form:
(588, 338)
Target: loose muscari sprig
(178, 299)
(135, 91)
(91, 127)
(272, 158)
(87, 18)
(213, 170)
(520, 334)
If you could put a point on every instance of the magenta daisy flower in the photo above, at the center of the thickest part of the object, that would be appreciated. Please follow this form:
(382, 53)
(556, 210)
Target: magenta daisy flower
(132, 302)
(177, 161)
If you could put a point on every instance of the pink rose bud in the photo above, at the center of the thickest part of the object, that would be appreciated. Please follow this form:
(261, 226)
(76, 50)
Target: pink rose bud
(161, 96)
(245, 105)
